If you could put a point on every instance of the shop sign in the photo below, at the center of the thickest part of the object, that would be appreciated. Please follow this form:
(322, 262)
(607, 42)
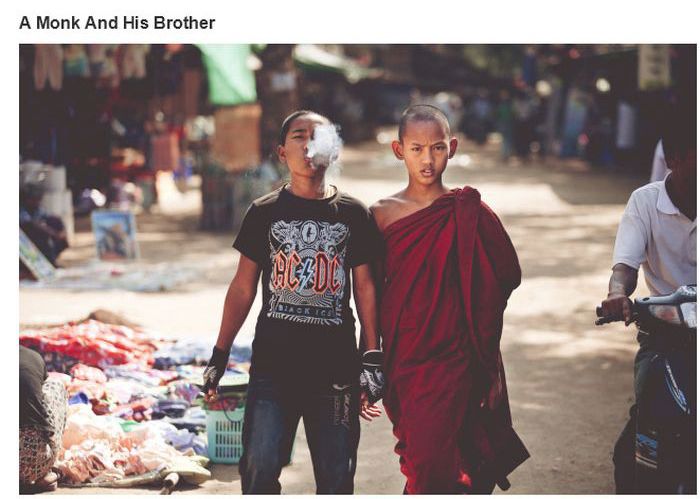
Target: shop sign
(654, 67)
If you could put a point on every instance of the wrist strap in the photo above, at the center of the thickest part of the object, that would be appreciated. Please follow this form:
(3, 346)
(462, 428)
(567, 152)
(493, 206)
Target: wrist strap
(219, 355)
(373, 358)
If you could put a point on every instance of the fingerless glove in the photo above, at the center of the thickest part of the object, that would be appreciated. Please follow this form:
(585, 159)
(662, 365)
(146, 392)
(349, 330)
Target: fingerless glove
(372, 375)
(215, 369)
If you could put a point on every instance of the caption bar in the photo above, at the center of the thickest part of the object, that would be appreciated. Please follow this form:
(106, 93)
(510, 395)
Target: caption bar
(115, 22)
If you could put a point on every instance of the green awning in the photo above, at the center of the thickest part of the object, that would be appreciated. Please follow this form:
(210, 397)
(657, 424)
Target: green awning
(230, 79)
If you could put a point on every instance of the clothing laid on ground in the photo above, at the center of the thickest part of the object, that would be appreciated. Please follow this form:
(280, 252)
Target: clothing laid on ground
(306, 249)
(655, 235)
(42, 417)
(92, 343)
(332, 429)
(449, 270)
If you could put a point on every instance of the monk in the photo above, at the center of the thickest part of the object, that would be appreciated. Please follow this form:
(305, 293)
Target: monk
(448, 271)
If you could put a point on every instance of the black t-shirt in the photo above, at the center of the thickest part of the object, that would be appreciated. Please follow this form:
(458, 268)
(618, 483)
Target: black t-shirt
(306, 249)
(32, 374)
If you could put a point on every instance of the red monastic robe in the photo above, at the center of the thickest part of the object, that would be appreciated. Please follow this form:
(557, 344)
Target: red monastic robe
(449, 270)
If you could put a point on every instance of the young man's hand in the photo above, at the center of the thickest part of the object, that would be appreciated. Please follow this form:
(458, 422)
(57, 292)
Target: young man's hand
(214, 372)
(368, 411)
(371, 384)
(618, 305)
(372, 375)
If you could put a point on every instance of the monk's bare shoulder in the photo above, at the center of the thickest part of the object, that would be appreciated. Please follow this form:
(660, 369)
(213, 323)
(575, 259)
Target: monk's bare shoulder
(389, 209)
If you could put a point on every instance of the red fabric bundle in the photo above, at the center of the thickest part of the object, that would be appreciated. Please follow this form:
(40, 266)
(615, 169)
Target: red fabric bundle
(92, 343)
(450, 269)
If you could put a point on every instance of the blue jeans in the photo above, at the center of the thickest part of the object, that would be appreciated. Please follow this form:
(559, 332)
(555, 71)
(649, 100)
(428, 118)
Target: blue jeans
(331, 421)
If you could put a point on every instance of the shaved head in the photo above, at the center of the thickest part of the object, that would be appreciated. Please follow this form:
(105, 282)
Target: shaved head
(423, 112)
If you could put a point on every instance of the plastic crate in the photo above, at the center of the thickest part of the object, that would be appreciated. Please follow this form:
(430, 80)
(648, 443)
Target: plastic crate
(225, 435)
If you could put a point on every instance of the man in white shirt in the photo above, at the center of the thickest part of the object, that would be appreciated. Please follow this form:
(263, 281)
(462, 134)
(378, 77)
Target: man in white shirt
(657, 235)
(657, 232)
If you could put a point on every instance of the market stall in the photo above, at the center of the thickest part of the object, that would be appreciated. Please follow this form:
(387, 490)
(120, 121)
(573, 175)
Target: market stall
(136, 414)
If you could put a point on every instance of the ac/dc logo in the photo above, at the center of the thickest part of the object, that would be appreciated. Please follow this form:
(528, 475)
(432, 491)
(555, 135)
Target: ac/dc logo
(318, 272)
(308, 276)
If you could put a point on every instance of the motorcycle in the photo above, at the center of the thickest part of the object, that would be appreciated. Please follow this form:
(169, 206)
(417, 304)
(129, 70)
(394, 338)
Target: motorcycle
(665, 435)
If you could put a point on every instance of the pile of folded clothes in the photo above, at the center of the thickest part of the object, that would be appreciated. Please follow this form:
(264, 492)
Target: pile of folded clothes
(135, 404)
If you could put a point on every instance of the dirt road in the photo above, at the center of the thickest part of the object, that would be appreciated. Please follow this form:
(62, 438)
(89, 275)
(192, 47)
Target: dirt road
(570, 383)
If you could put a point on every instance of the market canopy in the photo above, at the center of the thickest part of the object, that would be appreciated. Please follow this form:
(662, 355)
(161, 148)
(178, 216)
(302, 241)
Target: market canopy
(313, 57)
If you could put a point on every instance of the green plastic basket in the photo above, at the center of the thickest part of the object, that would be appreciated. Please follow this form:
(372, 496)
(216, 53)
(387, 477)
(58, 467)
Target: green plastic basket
(225, 435)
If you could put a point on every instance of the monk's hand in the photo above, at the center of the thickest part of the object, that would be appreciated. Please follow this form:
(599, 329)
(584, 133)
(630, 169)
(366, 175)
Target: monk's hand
(213, 373)
(372, 375)
(368, 411)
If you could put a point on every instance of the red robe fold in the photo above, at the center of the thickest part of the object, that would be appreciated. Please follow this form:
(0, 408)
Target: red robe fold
(449, 270)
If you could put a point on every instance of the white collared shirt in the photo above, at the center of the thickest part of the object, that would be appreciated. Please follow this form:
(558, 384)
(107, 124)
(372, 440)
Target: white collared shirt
(655, 235)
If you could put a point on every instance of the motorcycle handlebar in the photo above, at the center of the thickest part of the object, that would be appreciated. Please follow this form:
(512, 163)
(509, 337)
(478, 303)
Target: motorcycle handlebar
(605, 319)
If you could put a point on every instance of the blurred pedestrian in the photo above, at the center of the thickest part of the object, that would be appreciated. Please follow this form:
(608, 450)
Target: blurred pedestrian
(480, 115)
(578, 102)
(306, 239)
(43, 404)
(626, 133)
(448, 270)
(504, 124)
(524, 111)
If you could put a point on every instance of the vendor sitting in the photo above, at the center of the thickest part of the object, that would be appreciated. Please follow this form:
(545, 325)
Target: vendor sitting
(42, 419)
(47, 232)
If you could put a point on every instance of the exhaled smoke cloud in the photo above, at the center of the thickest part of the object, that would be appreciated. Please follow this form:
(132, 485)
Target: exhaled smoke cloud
(324, 148)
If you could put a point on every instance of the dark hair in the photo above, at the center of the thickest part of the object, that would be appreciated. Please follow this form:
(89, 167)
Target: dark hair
(288, 122)
(423, 112)
(679, 129)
